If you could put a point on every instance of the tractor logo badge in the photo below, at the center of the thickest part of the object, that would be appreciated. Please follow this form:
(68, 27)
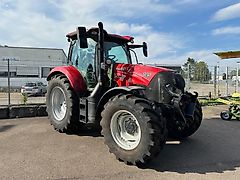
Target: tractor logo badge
(146, 74)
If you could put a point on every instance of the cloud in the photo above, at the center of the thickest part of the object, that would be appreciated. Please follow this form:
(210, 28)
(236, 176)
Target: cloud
(227, 13)
(199, 55)
(45, 24)
(203, 55)
(187, 2)
(227, 30)
(159, 43)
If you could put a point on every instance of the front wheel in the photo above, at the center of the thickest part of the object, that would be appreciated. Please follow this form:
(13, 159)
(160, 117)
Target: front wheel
(132, 129)
(62, 104)
(225, 115)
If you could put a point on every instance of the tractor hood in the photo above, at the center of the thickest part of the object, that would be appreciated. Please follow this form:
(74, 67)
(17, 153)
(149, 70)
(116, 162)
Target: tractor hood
(138, 74)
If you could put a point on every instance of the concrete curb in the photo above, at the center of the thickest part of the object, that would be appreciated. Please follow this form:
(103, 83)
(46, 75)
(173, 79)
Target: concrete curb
(3, 112)
(19, 111)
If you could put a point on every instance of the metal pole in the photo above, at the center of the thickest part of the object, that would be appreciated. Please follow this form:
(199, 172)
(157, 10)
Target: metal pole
(218, 80)
(237, 79)
(215, 81)
(227, 81)
(188, 76)
(8, 83)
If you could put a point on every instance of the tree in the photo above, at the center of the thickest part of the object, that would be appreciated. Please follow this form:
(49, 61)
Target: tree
(202, 72)
(233, 73)
(196, 71)
(189, 68)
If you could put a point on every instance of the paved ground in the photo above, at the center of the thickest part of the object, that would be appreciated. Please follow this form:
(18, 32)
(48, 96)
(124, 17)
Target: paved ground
(204, 89)
(31, 149)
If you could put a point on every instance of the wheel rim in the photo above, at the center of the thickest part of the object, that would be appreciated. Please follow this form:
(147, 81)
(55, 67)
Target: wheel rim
(59, 106)
(125, 129)
(225, 115)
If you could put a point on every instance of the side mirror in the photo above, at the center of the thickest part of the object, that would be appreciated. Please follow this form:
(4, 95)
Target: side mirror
(145, 52)
(82, 37)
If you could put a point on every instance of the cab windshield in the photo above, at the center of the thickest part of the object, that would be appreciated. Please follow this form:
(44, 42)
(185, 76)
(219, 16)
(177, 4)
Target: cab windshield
(116, 52)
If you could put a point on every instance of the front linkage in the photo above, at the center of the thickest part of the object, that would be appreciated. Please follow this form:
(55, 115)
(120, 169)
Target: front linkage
(188, 114)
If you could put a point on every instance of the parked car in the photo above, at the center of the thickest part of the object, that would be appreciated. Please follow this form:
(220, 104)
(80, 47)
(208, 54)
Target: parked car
(34, 88)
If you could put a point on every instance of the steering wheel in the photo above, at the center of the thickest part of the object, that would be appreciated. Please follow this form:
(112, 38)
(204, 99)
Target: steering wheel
(112, 57)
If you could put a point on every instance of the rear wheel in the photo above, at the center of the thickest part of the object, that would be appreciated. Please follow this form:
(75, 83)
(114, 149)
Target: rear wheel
(177, 131)
(132, 130)
(62, 104)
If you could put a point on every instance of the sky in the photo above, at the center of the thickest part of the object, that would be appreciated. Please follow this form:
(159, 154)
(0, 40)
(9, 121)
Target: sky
(173, 29)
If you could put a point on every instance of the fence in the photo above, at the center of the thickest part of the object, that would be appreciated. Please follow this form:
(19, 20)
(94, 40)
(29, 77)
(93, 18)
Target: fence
(18, 98)
(223, 82)
(216, 86)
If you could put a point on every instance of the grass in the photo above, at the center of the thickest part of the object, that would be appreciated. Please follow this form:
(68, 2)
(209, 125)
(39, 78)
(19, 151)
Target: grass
(24, 98)
(210, 102)
(219, 101)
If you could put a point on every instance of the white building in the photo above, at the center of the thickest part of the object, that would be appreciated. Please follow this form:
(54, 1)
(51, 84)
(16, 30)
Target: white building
(28, 64)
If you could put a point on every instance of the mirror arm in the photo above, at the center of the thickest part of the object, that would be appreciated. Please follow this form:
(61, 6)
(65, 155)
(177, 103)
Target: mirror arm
(82, 37)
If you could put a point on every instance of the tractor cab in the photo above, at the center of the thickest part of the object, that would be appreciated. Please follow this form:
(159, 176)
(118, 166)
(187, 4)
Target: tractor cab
(83, 53)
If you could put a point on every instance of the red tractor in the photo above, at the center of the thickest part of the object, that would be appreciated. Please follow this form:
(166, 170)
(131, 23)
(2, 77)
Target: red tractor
(137, 106)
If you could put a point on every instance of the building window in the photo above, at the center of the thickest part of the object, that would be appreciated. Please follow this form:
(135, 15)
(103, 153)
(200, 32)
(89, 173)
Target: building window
(45, 71)
(5, 74)
(27, 72)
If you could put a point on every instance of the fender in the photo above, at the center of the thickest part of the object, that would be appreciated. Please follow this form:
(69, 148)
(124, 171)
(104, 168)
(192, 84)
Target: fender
(75, 78)
(113, 92)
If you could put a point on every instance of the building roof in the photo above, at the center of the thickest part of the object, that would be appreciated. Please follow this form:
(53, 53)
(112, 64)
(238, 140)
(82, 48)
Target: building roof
(24, 47)
(228, 54)
(33, 48)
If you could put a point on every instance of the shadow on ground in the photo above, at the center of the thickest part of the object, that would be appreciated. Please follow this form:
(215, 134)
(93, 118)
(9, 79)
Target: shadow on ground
(214, 148)
(5, 127)
(85, 131)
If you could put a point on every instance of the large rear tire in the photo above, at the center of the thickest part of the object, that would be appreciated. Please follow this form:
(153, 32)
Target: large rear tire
(62, 105)
(133, 131)
(175, 131)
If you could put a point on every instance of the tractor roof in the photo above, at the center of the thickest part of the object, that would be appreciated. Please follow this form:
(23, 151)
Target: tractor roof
(108, 37)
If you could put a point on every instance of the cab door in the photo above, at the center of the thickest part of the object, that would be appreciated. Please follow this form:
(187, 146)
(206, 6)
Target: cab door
(84, 60)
